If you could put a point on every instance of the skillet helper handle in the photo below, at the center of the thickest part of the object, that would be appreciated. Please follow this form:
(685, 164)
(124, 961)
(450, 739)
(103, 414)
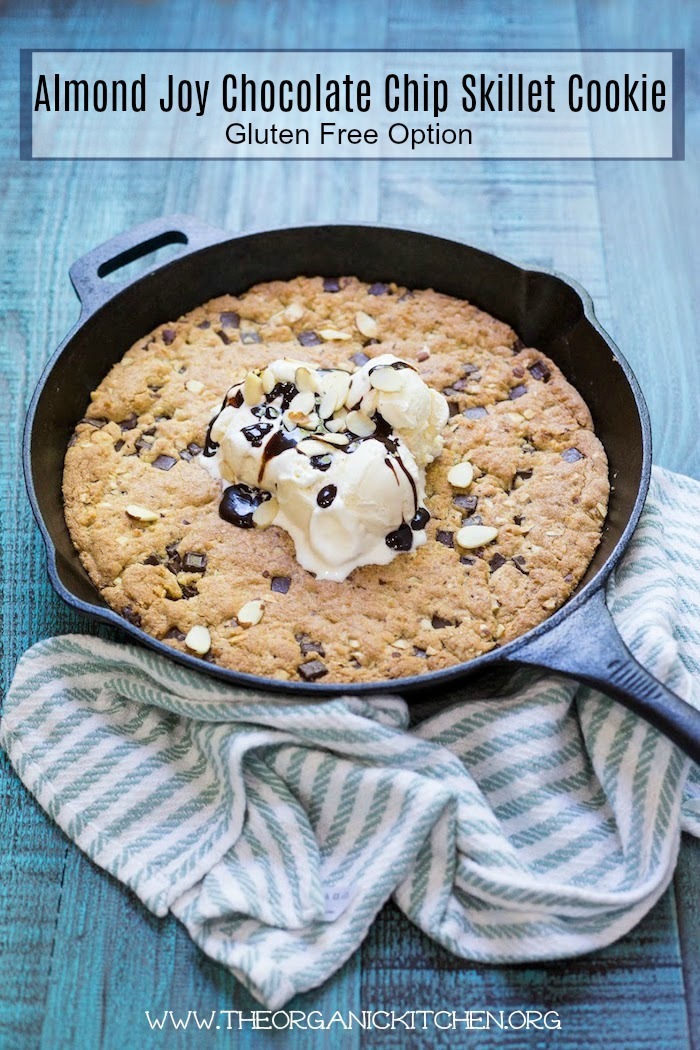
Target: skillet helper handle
(88, 273)
(587, 645)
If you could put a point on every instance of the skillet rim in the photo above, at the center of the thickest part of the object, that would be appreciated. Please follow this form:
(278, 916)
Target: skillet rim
(506, 654)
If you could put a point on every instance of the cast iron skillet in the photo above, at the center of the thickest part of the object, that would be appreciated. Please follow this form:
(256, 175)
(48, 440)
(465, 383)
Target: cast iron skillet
(547, 310)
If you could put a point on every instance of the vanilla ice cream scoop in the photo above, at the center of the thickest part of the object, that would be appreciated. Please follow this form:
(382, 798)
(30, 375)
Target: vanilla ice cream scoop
(337, 459)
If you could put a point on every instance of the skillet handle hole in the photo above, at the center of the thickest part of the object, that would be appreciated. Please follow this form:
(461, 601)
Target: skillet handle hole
(130, 263)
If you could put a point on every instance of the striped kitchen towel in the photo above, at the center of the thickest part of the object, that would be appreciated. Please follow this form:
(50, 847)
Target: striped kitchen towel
(538, 825)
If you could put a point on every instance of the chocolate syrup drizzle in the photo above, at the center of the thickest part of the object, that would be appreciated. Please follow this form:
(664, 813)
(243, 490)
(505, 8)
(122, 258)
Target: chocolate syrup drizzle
(239, 501)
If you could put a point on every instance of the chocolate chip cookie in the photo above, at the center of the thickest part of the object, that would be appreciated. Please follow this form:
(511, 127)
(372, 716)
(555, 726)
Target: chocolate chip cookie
(145, 516)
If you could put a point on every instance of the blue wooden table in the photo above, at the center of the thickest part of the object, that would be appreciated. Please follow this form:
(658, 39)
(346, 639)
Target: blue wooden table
(80, 959)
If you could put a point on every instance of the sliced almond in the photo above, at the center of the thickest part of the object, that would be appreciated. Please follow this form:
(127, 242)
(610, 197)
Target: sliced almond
(360, 424)
(267, 378)
(334, 439)
(336, 424)
(265, 513)
(386, 378)
(473, 536)
(330, 334)
(366, 325)
(302, 402)
(294, 312)
(307, 379)
(250, 613)
(198, 640)
(141, 513)
(194, 386)
(252, 389)
(370, 403)
(312, 447)
(335, 385)
(461, 475)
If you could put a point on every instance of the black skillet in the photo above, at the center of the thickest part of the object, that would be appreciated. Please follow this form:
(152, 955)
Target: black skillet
(547, 310)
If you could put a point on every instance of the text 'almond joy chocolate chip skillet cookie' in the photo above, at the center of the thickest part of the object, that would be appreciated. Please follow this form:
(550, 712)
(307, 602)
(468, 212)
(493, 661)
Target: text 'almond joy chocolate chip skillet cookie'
(322, 478)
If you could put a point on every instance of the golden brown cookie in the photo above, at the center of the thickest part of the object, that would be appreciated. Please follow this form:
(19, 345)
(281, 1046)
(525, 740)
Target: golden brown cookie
(540, 479)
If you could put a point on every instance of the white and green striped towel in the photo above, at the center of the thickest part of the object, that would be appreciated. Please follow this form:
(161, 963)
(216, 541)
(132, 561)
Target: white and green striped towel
(534, 826)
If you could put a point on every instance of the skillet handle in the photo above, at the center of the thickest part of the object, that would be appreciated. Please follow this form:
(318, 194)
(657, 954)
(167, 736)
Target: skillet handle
(87, 273)
(587, 645)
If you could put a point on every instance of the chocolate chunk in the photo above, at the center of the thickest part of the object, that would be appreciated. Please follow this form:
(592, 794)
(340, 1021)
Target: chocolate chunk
(192, 450)
(174, 562)
(475, 413)
(224, 338)
(466, 559)
(230, 319)
(119, 445)
(164, 462)
(539, 370)
(401, 539)
(522, 475)
(518, 345)
(420, 519)
(496, 562)
(152, 559)
(204, 324)
(97, 423)
(517, 391)
(192, 561)
(518, 372)
(308, 338)
(327, 495)
(446, 538)
(238, 504)
(476, 520)
(256, 432)
(130, 422)
(439, 622)
(378, 288)
(417, 651)
(519, 519)
(466, 503)
(331, 284)
(454, 408)
(168, 336)
(189, 591)
(470, 369)
(460, 384)
(520, 564)
(450, 391)
(360, 359)
(248, 338)
(142, 444)
(281, 584)
(571, 455)
(133, 617)
(321, 462)
(308, 646)
(176, 634)
(312, 670)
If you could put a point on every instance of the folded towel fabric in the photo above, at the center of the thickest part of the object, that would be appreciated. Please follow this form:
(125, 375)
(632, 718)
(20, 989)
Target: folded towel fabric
(537, 825)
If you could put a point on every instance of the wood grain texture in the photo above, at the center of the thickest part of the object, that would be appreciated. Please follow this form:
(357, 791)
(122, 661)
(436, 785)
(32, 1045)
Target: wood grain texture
(80, 958)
